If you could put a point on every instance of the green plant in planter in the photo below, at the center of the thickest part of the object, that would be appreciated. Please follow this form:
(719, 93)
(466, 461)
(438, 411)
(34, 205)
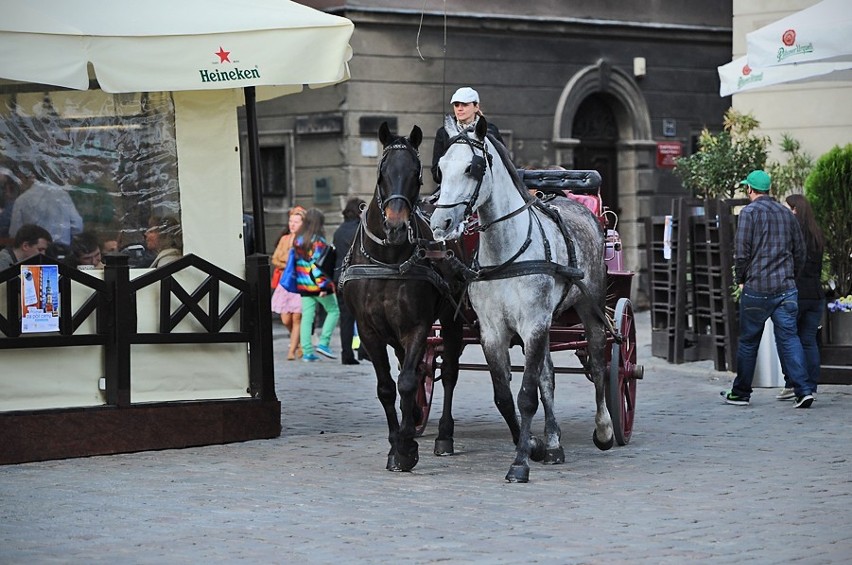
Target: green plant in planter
(789, 177)
(723, 159)
(829, 189)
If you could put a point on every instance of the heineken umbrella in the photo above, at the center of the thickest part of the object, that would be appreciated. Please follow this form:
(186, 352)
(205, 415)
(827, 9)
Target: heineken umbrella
(738, 76)
(822, 33)
(177, 45)
(171, 45)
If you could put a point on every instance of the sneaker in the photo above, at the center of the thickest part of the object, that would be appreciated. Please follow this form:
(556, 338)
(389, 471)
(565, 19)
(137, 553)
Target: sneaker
(309, 358)
(325, 350)
(804, 401)
(731, 398)
(786, 394)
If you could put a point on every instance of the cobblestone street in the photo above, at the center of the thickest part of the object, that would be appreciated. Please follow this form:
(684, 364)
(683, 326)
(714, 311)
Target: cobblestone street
(700, 481)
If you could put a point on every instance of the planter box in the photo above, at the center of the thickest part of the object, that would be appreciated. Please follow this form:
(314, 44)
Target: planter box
(840, 328)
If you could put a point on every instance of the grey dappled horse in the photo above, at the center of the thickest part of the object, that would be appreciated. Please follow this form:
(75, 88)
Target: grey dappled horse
(526, 277)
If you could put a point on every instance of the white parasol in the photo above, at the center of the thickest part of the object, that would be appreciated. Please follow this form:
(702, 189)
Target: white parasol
(738, 76)
(822, 33)
(168, 45)
(177, 45)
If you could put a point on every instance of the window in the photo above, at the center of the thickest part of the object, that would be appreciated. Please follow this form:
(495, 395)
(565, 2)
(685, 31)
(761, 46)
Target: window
(273, 164)
(114, 154)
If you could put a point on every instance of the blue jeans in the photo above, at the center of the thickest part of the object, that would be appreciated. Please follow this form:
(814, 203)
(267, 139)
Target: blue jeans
(809, 319)
(755, 309)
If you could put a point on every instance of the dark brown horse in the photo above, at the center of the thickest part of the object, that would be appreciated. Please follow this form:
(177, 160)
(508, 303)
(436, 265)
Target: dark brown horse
(397, 284)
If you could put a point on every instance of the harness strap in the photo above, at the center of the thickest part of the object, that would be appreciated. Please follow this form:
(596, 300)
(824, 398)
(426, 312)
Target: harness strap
(554, 215)
(527, 204)
(535, 267)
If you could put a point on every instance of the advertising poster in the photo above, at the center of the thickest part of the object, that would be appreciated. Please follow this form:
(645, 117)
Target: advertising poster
(39, 298)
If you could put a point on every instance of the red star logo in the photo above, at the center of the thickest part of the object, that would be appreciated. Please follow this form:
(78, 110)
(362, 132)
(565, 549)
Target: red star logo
(223, 55)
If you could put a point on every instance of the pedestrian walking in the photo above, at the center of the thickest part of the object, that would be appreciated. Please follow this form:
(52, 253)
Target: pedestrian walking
(315, 286)
(770, 252)
(343, 237)
(811, 295)
(288, 304)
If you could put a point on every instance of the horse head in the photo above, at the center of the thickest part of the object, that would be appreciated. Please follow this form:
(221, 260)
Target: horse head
(463, 181)
(399, 179)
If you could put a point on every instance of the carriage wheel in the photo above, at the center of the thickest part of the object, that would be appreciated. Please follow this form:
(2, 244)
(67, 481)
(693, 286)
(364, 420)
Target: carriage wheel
(623, 373)
(425, 388)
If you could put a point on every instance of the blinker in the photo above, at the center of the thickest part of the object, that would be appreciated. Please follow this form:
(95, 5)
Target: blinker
(476, 169)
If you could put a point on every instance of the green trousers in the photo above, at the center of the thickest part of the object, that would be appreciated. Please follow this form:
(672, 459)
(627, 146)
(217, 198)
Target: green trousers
(309, 312)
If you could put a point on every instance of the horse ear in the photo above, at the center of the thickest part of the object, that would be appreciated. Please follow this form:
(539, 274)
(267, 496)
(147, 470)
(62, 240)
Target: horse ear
(416, 136)
(384, 134)
(481, 127)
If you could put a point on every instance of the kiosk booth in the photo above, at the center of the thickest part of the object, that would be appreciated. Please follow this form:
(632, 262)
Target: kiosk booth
(132, 111)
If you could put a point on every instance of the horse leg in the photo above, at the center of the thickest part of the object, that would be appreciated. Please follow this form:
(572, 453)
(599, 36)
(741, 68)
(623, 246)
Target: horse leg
(386, 391)
(554, 453)
(603, 436)
(451, 336)
(407, 384)
(496, 351)
(499, 365)
(534, 348)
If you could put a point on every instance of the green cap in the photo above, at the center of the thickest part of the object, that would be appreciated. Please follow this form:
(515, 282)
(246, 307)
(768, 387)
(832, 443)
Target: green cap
(758, 180)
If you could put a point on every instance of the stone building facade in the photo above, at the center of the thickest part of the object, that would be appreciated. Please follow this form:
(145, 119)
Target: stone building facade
(582, 84)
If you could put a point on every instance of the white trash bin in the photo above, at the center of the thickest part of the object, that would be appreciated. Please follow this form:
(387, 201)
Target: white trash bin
(767, 371)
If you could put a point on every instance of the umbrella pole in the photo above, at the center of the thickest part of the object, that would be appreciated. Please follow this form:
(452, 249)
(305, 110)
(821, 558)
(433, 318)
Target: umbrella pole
(254, 170)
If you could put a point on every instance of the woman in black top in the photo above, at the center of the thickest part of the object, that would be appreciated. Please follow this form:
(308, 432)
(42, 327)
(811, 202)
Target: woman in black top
(465, 102)
(811, 295)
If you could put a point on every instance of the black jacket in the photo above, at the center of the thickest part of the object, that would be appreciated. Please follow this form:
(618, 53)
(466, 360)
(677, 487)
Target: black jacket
(808, 281)
(442, 139)
(342, 240)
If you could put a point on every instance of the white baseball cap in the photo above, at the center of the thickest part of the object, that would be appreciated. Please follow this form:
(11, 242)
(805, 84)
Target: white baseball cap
(465, 95)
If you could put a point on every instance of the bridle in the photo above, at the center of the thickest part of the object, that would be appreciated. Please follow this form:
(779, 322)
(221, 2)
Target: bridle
(475, 170)
(418, 265)
(381, 201)
(397, 146)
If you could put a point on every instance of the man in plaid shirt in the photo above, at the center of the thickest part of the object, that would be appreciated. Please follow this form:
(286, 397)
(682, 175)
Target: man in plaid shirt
(770, 252)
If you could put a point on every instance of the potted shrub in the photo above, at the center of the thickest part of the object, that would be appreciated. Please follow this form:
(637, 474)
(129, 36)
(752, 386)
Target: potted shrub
(789, 177)
(829, 189)
(723, 159)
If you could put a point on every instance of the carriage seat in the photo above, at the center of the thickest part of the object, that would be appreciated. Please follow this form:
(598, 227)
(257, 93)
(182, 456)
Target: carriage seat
(591, 202)
(579, 185)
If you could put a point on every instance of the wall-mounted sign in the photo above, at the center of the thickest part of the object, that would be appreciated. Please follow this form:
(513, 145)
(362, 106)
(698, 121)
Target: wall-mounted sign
(667, 153)
(39, 298)
(369, 125)
(669, 127)
(320, 123)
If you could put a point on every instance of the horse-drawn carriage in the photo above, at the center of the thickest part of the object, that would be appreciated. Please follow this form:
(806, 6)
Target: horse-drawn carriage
(498, 264)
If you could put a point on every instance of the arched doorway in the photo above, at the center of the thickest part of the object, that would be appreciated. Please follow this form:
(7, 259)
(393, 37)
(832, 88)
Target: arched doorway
(602, 122)
(595, 126)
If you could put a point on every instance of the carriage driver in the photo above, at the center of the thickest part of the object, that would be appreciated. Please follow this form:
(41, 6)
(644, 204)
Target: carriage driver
(465, 102)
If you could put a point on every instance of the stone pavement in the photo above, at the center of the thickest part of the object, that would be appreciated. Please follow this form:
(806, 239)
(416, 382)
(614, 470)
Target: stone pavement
(700, 481)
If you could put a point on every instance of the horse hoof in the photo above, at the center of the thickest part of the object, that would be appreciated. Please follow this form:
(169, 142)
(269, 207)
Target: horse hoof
(518, 474)
(602, 445)
(554, 456)
(444, 447)
(407, 461)
(393, 464)
(537, 450)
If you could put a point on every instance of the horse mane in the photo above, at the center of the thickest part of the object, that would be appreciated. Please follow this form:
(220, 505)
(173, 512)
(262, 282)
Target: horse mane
(510, 166)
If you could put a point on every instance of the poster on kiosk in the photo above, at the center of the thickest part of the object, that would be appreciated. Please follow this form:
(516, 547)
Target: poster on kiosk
(39, 298)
